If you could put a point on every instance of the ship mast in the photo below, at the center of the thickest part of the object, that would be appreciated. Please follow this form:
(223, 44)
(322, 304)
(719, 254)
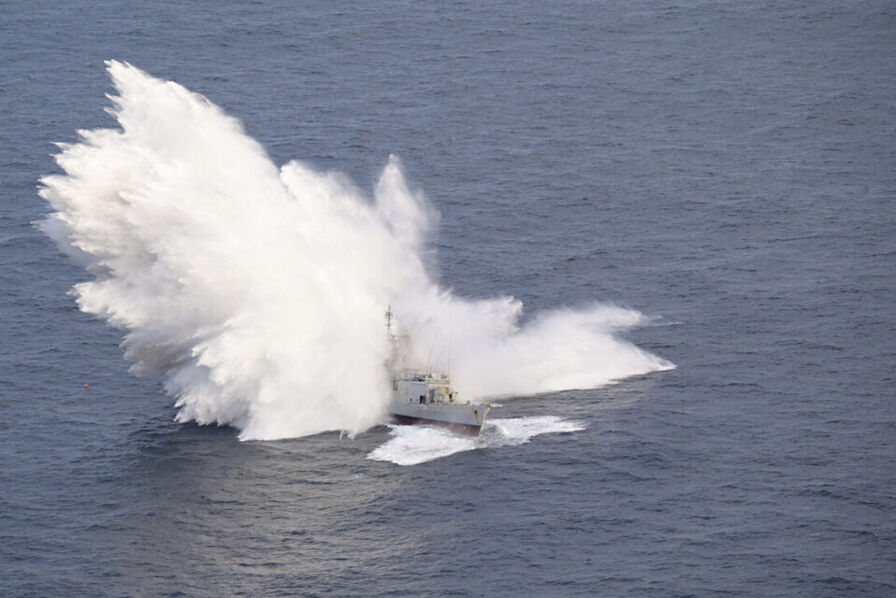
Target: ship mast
(389, 315)
(392, 363)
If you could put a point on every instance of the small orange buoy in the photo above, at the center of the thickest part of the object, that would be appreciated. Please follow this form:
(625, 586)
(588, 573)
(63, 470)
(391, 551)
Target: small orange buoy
(85, 386)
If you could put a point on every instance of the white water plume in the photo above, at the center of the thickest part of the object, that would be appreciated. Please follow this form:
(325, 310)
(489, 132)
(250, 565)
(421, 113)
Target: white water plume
(259, 293)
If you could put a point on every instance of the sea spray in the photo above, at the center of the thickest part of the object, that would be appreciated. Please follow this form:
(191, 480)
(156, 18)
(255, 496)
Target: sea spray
(259, 293)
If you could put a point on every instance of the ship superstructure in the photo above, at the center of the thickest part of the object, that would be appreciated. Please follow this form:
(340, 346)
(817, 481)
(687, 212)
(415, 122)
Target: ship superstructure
(425, 397)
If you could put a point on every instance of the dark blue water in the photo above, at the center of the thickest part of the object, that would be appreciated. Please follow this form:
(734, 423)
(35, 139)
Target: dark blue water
(727, 168)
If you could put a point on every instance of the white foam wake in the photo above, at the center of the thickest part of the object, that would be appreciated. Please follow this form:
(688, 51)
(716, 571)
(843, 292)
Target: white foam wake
(259, 292)
(411, 445)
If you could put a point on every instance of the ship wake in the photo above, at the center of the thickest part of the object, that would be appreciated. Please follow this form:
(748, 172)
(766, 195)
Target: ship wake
(412, 445)
(258, 292)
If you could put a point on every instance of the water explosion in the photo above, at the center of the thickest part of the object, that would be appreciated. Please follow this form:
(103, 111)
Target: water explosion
(259, 293)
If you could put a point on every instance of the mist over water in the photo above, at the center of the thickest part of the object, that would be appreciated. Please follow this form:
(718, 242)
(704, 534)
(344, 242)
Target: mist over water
(259, 292)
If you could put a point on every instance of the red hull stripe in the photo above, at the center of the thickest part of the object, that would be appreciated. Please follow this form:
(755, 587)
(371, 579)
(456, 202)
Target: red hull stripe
(467, 429)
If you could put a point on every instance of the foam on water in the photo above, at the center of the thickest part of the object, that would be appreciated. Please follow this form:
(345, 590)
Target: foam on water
(259, 292)
(411, 445)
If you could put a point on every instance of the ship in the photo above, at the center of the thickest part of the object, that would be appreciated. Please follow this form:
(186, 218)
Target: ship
(427, 398)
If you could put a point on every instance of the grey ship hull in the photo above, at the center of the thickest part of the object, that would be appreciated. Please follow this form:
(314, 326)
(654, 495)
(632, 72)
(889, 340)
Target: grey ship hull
(464, 418)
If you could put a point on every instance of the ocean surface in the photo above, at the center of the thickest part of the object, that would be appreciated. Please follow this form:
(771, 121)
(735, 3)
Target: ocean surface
(725, 169)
